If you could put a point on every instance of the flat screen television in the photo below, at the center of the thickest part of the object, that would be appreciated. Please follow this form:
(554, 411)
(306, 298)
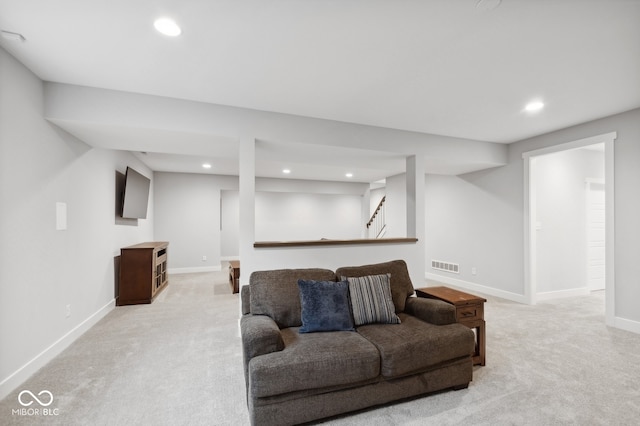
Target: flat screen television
(135, 198)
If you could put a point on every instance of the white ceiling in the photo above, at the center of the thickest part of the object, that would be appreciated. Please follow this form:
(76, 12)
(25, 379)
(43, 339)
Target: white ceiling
(444, 67)
(310, 162)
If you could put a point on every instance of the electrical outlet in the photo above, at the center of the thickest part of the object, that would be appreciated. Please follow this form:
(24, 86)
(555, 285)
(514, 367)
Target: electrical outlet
(68, 311)
(204, 258)
(474, 271)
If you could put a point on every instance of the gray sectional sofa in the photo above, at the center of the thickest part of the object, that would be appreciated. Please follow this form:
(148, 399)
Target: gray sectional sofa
(294, 377)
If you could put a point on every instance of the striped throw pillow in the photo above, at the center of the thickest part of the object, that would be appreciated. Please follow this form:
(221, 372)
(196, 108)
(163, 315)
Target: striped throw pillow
(371, 299)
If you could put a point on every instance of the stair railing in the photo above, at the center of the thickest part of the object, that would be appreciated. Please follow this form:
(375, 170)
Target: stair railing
(377, 225)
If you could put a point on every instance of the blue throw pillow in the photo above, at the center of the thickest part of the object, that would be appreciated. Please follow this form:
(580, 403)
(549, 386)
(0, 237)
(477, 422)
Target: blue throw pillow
(325, 306)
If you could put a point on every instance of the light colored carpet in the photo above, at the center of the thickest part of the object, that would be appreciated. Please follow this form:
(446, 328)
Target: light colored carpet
(178, 362)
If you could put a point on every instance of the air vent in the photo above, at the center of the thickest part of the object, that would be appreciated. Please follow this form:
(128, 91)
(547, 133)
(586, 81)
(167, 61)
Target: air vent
(445, 266)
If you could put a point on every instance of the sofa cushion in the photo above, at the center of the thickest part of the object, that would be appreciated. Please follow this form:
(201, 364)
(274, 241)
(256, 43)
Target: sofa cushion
(401, 286)
(415, 345)
(275, 293)
(313, 361)
(371, 300)
(325, 306)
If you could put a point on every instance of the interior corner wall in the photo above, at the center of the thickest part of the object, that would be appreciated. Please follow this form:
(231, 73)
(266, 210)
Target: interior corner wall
(396, 206)
(477, 219)
(187, 207)
(48, 273)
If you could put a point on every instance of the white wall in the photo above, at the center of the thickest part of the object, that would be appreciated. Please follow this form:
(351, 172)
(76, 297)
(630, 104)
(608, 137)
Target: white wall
(477, 219)
(230, 225)
(396, 206)
(284, 216)
(333, 257)
(310, 186)
(44, 270)
(188, 216)
(561, 217)
(294, 209)
(199, 215)
(471, 221)
(627, 212)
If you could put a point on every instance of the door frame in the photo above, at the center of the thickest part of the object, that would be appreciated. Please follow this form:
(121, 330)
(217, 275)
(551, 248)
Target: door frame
(530, 241)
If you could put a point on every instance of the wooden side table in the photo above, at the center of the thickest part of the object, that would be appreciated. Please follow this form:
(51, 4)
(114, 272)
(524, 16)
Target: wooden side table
(469, 312)
(234, 275)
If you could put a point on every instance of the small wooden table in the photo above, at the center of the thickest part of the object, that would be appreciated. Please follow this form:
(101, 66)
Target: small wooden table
(469, 312)
(234, 275)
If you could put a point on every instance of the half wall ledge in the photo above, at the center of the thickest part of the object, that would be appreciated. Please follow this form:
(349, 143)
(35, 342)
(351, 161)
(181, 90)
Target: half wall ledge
(306, 243)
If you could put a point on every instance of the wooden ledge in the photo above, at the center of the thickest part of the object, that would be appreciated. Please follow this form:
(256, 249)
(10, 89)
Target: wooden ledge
(307, 243)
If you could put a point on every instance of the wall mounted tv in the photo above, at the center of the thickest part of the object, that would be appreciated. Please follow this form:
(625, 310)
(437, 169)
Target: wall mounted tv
(135, 198)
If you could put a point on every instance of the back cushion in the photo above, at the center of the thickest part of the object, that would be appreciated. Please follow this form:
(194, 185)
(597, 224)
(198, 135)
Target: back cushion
(401, 286)
(275, 293)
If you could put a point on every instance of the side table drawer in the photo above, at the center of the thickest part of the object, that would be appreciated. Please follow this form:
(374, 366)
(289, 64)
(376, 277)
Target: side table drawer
(469, 312)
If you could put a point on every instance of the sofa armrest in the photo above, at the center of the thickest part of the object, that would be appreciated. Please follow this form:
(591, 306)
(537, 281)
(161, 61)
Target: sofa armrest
(431, 310)
(245, 299)
(260, 335)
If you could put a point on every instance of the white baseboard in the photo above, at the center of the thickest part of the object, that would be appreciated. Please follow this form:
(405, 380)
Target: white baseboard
(23, 373)
(627, 325)
(474, 287)
(558, 294)
(194, 270)
(434, 279)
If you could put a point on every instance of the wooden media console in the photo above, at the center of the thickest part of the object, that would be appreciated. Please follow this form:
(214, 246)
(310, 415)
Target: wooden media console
(143, 272)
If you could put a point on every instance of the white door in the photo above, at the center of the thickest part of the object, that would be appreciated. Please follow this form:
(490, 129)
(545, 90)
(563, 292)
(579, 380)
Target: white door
(595, 236)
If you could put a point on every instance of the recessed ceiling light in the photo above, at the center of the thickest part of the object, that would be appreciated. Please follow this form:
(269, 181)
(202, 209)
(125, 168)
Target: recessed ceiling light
(167, 27)
(349, 175)
(286, 171)
(534, 106)
(206, 165)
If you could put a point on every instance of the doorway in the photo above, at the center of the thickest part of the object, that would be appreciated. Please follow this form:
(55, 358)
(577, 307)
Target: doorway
(596, 234)
(538, 263)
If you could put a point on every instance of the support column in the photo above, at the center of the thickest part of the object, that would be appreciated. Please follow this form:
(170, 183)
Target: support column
(247, 192)
(366, 213)
(416, 215)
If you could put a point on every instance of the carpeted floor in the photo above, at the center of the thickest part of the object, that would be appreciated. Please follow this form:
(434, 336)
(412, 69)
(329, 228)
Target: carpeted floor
(178, 362)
